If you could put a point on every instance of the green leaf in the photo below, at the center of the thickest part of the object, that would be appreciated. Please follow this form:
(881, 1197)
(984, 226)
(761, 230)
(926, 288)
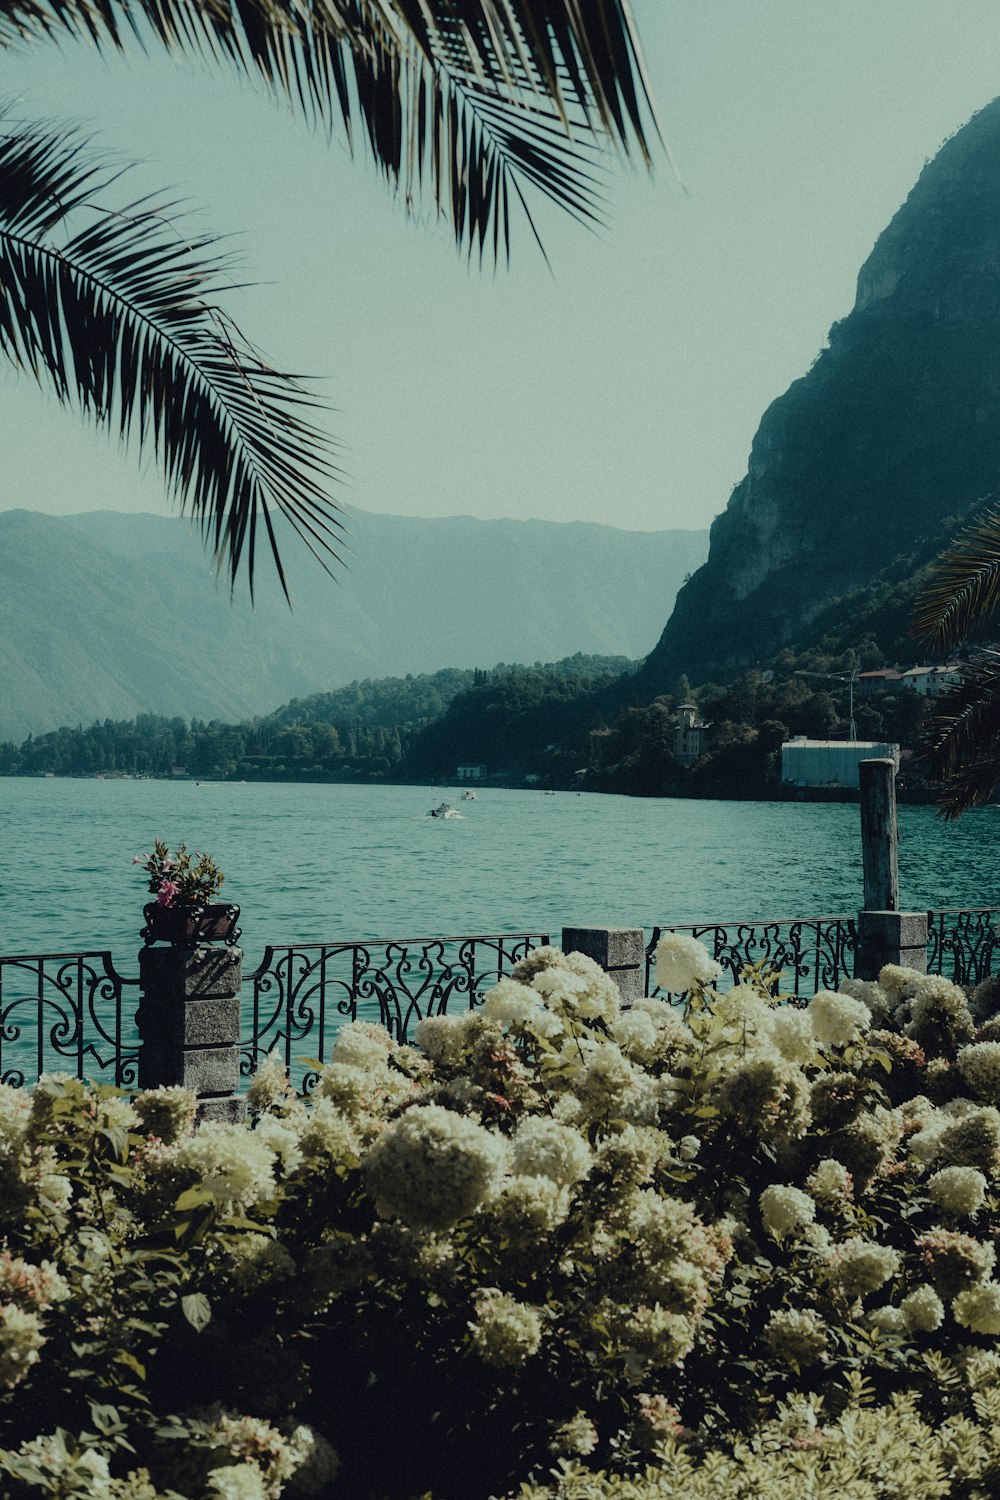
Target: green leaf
(193, 1198)
(197, 1309)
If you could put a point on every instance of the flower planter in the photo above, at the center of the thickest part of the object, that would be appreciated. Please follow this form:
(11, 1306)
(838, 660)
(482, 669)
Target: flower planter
(186, 927)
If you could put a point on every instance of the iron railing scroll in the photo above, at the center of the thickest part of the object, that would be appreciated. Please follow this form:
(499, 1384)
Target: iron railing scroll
(962, 944)
(62, 1012)
(811, 953)
(303, 993)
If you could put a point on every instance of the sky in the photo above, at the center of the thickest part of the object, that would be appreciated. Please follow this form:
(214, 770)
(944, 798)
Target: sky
(623, 385)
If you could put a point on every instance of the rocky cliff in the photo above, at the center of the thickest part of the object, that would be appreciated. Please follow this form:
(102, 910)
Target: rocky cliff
(895, 426)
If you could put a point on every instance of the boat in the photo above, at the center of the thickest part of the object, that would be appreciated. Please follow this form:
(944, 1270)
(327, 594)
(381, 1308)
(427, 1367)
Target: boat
(444, 811)
(468, 795)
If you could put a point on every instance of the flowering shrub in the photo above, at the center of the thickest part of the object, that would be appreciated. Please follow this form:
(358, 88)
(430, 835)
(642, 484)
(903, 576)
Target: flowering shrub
(658, 1248)
(180, 879)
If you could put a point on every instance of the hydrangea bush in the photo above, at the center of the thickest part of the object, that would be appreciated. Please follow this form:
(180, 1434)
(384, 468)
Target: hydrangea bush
(554, 1245)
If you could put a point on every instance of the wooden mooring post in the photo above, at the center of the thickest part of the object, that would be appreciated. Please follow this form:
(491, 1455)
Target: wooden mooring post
(886, 935)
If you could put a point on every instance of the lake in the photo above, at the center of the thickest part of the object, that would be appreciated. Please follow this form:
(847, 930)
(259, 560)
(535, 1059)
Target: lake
(341, 863)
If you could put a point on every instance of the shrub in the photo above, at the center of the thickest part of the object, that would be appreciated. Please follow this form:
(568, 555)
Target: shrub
(713, 1248)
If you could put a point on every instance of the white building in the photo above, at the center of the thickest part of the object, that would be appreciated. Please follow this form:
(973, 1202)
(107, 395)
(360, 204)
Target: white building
(829, 762)
(471, 773)
(929, 682)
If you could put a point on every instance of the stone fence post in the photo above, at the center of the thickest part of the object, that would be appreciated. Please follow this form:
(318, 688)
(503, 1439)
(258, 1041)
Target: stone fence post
(189, 1024)
(620, 951)
(886, 935)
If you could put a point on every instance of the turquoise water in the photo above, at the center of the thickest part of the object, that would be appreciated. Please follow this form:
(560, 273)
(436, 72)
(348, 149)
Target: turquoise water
(338, 863)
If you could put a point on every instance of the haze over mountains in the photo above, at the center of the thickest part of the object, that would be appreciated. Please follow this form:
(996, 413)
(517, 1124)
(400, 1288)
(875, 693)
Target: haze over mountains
(106, 615)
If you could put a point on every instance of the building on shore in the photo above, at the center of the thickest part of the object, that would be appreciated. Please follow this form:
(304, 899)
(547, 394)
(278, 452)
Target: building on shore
(691, 735)
(807, 762)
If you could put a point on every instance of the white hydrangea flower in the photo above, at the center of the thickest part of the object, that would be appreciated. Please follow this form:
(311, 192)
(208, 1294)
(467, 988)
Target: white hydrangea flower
(792, 1034)
(37, 1287)
(653, 1336)
(636, 1034)
(530, 1206)
(682, 962)
(925, 1143)
(362, 1045)
(960, 1190)
(889, 1320)
(860, 1266)
(979, 1065)
(237, 1482)
(316, 1462)
(796, 1336)
(506, 1332)
(327, 1132)
(520, 1007)
(545, 1148)
(896, 980)
(270, 1087)
(20, 1340)
(168, 1113)
(445, 1039)
(577, 1437)
(633, 1154)
(233, 1163)
(923, 1310)
(431, 1167)
(937, 1012)
(837, 1020)
(15, 1115)
(607, 1084)
(830, 1181)
(978, 1308)
(746, 1008)
(256, 1260)
(785, 1210)
(970, 1138)
(64, 1471)
(280, 1138)
(881, 1003)
(574, 996)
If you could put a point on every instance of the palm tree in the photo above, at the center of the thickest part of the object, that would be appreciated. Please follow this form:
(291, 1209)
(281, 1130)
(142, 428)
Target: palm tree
(961, 742)
(472, 102)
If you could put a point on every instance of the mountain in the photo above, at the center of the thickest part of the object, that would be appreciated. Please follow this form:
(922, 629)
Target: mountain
(896, 426)
(106, 615)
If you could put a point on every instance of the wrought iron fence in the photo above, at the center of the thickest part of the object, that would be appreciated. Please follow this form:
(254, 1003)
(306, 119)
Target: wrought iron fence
(69, 1011)
(813, 953)
(302, 993)
(963, 944)
(62, 1012)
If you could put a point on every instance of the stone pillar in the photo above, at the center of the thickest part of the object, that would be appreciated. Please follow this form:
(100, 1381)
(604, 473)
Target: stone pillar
(879, 834)
(189, 1024)
(890, 937)
(886, 935)
(620, 951)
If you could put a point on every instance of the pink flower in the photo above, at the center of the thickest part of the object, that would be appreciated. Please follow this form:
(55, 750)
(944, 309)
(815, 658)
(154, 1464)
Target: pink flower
(137, 859)
(167, 891)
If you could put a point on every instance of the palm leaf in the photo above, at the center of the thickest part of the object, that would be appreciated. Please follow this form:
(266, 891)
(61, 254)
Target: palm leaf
(960, 745)
(117, 311)
(477, 99)
(965, 585)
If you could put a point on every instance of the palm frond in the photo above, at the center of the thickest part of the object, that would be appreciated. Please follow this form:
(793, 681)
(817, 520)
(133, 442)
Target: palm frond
(960, 744)
(965, 585)
(117, 311)
(477, 99)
